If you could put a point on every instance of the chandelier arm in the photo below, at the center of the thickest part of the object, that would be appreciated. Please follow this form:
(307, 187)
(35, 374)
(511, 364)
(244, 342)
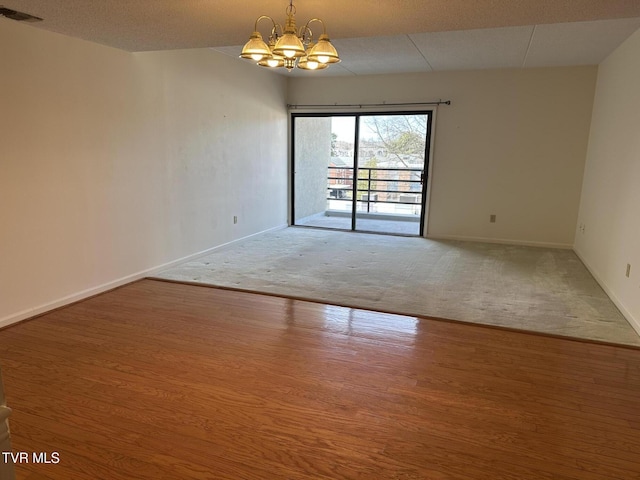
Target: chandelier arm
(302, 34)
(262, 17)
(324, 29)
(274, 30)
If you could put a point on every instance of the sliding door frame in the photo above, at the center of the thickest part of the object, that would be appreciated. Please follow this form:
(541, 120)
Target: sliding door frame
(428, 154)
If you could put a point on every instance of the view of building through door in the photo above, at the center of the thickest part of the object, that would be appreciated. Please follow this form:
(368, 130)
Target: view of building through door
(377, 187)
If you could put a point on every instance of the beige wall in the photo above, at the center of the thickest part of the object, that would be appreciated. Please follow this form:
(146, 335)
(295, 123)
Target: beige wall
(112, 163)
(312, 157)
(610, 205)
(512, 143)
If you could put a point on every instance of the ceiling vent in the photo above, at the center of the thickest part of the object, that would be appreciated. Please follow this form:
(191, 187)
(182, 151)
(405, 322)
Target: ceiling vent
(18, 16)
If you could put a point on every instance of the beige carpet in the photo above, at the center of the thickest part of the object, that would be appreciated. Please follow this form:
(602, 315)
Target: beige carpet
(538, 289)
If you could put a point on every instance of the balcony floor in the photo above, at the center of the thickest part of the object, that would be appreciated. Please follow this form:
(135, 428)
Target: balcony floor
(397, 225)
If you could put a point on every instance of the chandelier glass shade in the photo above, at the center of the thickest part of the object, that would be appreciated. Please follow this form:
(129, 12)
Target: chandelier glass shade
(255, 48)
(323, 51)
(290, 47)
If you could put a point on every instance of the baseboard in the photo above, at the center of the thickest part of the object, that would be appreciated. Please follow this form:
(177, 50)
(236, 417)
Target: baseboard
(634, 322)
(90, 292)
(74, 297)
(501, 241)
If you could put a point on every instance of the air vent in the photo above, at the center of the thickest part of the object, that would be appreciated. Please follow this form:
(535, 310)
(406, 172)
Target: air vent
(18, 16)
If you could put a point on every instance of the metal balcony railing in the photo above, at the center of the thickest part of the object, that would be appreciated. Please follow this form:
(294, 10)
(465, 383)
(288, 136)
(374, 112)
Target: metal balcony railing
(376, 186)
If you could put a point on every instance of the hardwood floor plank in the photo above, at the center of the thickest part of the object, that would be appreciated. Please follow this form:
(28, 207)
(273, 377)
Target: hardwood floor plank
(160, 380)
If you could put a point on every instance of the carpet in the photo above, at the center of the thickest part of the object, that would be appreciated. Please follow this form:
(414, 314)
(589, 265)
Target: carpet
(529, 288)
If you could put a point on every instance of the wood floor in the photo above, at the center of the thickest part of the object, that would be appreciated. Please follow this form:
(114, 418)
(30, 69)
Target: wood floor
(166, 381)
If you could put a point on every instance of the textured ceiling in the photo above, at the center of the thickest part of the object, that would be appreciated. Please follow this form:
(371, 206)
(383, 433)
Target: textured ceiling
(372, 36)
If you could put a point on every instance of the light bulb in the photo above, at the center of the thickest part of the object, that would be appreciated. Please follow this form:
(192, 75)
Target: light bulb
(323, 58)
(289, 53)
(312, 65)
(257, 56)
(272, 62)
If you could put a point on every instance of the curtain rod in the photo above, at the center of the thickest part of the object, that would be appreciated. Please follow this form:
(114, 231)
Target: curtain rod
(364, 105)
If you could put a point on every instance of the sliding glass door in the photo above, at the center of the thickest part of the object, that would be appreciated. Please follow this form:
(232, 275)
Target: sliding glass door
(323, 165)
(363, 172)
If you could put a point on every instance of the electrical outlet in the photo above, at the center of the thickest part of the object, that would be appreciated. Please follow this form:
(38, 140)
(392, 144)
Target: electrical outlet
(492, 219)
(235, 219)
(628, 274)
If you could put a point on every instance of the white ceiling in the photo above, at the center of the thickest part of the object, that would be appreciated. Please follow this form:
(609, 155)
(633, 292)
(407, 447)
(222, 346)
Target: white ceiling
(372, 36)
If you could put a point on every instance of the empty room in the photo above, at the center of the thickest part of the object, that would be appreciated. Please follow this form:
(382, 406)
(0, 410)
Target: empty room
(317, 240)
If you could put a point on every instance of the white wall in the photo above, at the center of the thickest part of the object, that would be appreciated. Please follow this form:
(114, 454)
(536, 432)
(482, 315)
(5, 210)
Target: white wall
(513, 144)
(610, 205)
(113, 163)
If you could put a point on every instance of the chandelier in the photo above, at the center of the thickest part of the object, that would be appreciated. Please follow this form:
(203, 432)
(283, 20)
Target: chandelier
(290, 47)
